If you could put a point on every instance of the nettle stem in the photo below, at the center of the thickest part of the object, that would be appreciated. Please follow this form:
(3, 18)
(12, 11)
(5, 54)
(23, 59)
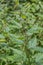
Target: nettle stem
(27, 51)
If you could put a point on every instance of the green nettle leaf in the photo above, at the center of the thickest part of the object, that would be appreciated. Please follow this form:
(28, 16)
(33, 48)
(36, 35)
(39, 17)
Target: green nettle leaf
(38, 57)
(39, 49)
(16, 40)
(32, 43)
(21, 32)
(34, 29)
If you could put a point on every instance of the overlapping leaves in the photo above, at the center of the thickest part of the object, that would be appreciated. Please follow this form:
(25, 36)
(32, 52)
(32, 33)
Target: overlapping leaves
(21, 32)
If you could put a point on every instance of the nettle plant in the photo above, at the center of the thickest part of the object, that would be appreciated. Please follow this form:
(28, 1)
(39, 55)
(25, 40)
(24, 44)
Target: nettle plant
(21, 32)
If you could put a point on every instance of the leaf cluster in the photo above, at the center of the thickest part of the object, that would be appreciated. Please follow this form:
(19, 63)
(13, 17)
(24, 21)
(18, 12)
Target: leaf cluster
(21, 32)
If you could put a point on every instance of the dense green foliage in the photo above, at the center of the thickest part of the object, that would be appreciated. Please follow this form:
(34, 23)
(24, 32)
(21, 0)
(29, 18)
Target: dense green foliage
(21, 32)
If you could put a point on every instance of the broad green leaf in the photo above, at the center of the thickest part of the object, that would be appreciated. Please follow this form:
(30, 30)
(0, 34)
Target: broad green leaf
(32, 43)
